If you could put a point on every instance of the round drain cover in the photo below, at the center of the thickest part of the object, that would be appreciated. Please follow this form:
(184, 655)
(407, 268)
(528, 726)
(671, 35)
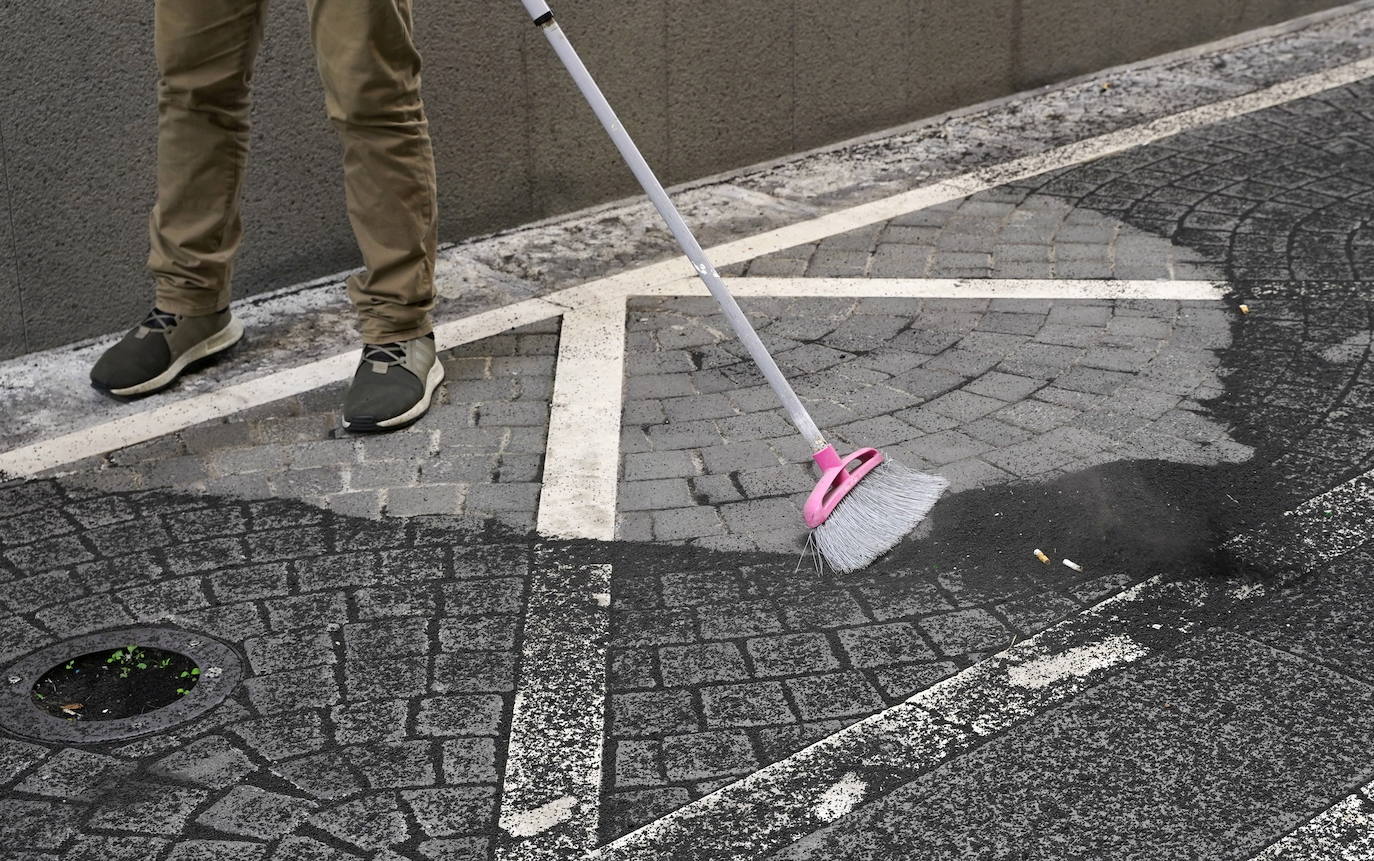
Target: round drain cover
(137, 680)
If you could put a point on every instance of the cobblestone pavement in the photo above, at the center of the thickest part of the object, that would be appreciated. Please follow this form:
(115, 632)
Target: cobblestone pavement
(376, 586)
(380, 669)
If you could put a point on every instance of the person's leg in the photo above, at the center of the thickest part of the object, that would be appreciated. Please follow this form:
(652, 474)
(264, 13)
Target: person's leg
(371, 73)
(205, 51)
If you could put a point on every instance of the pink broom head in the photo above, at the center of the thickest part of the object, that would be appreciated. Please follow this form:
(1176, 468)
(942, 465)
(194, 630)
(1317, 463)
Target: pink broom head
(857, 514)
(837, 480)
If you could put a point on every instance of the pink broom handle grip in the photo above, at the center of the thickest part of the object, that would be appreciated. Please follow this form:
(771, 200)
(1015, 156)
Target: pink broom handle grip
(542, 16)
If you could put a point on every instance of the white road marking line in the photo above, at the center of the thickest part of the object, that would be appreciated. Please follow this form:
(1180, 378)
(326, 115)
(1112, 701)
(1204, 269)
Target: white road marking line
(1342, 832)
(841, 799)
(99, 439)
(582, 455)
(550, 799)
(960, 288)
(1078, 661)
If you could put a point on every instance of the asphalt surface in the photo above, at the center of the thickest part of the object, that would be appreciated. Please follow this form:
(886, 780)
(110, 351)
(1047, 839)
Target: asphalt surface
(377, 589)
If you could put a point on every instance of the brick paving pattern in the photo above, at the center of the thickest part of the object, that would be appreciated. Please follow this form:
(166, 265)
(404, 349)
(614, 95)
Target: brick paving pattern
(378, 682)
(479, 451)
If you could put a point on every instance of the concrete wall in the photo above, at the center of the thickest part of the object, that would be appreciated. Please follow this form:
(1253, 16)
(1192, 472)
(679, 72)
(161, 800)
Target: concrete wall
(704, 85)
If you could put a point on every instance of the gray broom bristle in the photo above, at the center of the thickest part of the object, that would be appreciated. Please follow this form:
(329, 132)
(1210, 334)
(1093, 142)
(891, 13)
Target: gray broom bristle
(885, 506)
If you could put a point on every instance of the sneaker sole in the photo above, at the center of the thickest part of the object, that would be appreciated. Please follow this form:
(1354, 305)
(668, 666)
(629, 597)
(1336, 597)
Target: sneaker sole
(216, 343)
(432, 381)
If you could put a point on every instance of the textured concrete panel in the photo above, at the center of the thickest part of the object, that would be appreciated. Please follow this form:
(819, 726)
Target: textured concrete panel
(572, 158)
(864, 51)
(730, 86)
(11, 321)
(477, 94)
(79, 121)
(958, 54)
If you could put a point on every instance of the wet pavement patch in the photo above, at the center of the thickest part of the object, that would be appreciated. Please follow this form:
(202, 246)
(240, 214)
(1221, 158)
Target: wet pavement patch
(115, 685)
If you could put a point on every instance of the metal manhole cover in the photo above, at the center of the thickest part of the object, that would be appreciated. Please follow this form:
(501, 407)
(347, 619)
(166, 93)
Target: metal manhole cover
(220, 671)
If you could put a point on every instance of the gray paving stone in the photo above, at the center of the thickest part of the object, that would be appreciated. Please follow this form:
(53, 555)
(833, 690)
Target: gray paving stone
(835, 263)
(469, 760)
(901, 260)
(883, 645)
(253, 812)
(654, 494)
(372, 823)
(1035, 416)
(666, 464)
(897, 683)
(483, 672)
(745, 705)
(738, 619)
(964, 406)
(75, 774)
(152, 809)
(514, 498)
(786, 654)
(638, 763)
(379, 720)
(834, 695)
(217, 850)
(451, 810)
(691, 666)
(121, 848)
(966, 631)
(652, 713)
(1005, 387)
(716, 753)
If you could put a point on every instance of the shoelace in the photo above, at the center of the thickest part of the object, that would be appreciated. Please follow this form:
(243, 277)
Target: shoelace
(386, 354)
(159, 321)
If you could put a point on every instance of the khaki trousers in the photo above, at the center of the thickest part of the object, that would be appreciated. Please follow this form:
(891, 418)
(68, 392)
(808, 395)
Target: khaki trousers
(371, 73)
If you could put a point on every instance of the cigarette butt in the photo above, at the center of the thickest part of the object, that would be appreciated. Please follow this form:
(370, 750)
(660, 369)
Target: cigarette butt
(1245, 309)
(1069, 563)
(1041, 556)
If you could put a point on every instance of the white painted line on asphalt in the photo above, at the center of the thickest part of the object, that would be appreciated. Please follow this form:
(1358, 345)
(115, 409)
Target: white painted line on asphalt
(582, 455)
(550, 797)
(1342, 832)
(99, 439)
(961, 288)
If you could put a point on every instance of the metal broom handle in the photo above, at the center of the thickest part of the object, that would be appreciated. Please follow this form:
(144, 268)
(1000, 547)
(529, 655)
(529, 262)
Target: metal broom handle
(543, 17)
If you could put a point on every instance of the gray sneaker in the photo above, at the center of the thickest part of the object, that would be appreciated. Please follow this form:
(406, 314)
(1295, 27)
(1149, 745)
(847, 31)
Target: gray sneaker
(156, 351)
(392, 386)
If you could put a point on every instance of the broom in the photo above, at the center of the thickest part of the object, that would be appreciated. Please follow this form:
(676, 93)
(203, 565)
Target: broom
(863, 504)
